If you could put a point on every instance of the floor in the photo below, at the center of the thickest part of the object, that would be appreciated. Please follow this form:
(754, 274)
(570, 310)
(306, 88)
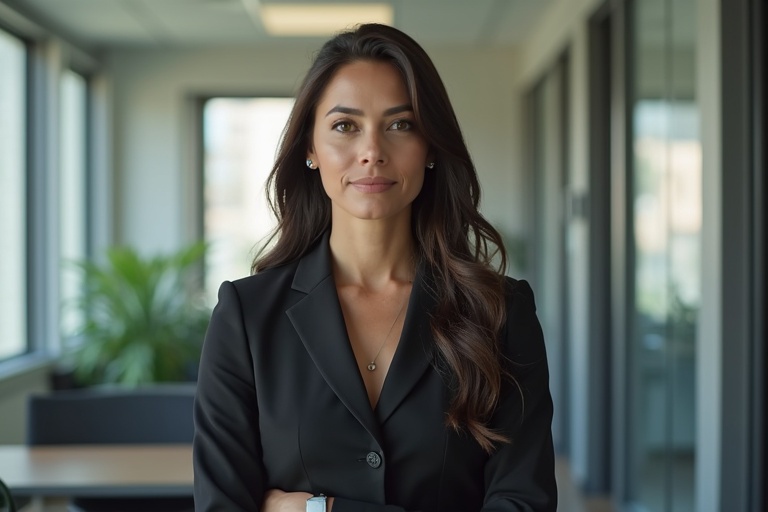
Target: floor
(570, 498)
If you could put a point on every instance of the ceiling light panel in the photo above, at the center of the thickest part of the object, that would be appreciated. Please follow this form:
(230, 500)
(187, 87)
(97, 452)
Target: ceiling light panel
(321, 19)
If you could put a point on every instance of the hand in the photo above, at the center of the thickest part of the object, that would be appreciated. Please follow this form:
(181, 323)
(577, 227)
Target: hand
(276, 500)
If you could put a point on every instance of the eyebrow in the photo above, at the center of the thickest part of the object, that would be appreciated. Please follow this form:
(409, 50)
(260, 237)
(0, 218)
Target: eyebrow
(357, 112)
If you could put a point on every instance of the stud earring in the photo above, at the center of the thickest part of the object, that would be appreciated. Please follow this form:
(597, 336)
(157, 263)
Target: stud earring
(431, 165)
(310, 164)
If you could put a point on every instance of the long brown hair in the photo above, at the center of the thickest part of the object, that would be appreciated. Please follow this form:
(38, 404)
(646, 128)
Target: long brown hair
(452, 238)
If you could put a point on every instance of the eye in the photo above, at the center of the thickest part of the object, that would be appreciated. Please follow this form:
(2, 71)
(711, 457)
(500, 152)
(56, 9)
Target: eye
(343, 126)
(402, 125)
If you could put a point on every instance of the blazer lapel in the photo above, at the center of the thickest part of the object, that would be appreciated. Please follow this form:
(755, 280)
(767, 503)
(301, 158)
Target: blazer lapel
(415, 350)
(319, 322)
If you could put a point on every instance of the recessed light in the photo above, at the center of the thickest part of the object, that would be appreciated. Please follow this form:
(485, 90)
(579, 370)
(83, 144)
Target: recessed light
(321, 19)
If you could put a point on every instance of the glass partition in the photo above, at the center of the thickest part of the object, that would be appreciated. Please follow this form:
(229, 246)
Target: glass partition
(666, 175)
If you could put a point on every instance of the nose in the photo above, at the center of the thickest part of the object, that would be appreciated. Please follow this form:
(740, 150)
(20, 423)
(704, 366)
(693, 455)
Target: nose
(372, 151)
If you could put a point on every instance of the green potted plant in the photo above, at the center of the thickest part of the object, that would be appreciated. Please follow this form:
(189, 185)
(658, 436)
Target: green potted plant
(142, 319)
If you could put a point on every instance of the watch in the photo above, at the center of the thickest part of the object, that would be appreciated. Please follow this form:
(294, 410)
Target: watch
(316, 503)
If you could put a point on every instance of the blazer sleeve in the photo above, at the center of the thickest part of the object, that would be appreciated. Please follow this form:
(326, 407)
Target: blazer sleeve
(228, 471)
(520, 475)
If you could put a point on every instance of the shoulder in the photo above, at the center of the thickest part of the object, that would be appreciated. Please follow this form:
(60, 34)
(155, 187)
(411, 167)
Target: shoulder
(518, 294)
(267, 280)
(522, 339)
(264, 288)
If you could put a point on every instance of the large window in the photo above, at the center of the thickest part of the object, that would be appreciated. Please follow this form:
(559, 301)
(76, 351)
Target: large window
(240, 138)
(13, 234)
(72, 192)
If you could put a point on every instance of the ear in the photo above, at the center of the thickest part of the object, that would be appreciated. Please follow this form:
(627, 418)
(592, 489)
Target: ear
(311, 153)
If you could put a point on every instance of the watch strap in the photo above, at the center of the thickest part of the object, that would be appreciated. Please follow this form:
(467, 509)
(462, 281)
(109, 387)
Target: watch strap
(317, 503)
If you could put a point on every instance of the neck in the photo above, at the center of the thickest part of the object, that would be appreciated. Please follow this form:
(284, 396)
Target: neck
(371, 253)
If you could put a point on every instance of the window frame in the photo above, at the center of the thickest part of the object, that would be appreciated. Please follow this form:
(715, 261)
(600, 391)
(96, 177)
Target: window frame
(46, 58)
(743, 255)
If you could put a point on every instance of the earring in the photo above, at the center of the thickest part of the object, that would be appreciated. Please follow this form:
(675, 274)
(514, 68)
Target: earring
(431, 165)
(310, 164)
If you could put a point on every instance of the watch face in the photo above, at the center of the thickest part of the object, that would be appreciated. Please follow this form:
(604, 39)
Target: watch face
(316, 504)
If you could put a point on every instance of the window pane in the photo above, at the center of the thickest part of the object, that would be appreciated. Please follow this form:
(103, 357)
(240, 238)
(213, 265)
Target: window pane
(72, 189)
(240, 137)
(13, 272)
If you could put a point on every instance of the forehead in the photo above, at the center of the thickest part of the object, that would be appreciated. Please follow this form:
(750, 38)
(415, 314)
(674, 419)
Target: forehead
(365, 81)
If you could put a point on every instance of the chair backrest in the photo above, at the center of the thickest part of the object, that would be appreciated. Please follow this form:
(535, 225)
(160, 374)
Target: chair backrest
(6, 500)
(157, 414)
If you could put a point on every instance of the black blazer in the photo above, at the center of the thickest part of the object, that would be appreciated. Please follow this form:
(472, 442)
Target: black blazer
(281, 404)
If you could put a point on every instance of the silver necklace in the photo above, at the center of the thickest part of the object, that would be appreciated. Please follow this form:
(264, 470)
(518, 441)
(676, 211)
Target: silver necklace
(372, 365)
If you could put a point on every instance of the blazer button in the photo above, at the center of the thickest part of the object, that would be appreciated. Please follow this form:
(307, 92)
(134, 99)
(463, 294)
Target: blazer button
(373, 459)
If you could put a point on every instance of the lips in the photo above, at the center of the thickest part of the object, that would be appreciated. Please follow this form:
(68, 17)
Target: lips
(372, 185)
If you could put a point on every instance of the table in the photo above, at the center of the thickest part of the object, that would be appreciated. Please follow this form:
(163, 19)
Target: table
(97, 470)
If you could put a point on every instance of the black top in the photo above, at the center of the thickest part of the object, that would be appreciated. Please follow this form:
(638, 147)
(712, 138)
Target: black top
(281, 404)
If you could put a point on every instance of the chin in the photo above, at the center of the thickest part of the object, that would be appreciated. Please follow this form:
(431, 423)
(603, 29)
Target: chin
(373, 211)
(370, 212)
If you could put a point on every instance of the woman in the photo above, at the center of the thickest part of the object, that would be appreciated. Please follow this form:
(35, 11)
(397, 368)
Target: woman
(376, 360)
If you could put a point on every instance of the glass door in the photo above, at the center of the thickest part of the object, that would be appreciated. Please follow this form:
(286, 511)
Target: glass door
(664, 256)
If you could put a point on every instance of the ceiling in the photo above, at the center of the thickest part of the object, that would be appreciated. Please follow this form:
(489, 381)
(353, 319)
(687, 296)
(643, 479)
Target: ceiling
(180, 23)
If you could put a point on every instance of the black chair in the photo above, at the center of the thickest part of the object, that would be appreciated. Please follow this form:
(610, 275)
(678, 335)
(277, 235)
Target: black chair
(6, 500)
(154, 415)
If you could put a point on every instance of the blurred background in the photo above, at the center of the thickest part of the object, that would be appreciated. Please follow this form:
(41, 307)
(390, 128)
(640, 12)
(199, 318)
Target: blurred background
(620, 146)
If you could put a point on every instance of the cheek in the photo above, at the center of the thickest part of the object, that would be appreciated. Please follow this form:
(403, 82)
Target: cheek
(418, 183)
(416, 160)
(330, 185)
(334, 155)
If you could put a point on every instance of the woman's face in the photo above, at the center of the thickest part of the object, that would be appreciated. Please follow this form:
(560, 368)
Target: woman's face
(370, 153)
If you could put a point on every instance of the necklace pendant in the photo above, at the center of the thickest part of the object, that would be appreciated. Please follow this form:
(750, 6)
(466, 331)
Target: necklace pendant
(371, 366)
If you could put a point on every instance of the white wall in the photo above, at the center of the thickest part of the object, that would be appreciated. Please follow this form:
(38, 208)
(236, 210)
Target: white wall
(14, 392)
(154, 126)
(554, 32)
(481, 86)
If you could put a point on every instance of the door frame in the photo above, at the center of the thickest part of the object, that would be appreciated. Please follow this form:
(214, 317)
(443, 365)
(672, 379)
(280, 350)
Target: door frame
(743, 417)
